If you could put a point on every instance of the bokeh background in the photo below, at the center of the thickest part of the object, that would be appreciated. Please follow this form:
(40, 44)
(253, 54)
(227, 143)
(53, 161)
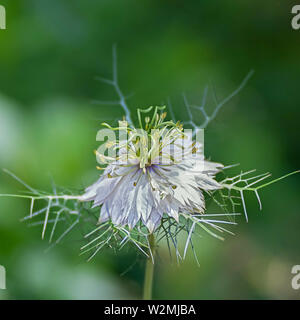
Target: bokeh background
(49, 57)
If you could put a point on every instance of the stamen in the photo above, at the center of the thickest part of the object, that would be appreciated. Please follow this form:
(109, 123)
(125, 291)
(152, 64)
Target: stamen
(138, 179)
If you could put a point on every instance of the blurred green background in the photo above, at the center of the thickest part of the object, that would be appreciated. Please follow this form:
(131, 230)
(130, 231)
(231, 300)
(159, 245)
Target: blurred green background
(49, 57)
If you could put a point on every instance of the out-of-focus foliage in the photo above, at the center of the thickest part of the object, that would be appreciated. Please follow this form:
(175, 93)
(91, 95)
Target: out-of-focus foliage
(49, 57)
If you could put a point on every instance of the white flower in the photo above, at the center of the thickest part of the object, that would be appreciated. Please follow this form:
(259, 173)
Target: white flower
(147, 180)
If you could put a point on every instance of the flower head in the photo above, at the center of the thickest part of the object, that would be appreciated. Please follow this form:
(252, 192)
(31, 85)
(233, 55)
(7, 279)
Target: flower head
(156, 170)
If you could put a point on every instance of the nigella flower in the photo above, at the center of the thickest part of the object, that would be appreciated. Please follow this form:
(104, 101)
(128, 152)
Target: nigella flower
(157, 171)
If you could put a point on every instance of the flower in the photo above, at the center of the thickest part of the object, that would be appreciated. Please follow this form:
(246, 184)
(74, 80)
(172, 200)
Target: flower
(156, 171)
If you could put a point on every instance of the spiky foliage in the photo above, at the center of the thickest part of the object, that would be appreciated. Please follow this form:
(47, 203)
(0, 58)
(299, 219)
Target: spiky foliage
(65, 207)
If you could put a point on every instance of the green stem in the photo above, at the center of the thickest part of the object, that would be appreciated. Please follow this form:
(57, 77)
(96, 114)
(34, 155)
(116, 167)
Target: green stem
(148, 282)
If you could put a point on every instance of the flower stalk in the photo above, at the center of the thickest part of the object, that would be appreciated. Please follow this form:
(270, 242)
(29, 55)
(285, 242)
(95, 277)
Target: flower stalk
(149, 271)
